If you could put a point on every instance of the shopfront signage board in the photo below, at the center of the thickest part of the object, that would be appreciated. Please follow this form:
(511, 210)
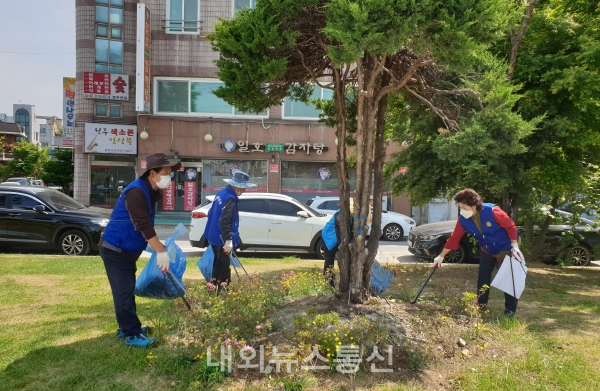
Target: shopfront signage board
(142, 59)
(105, 86)
(289, 148)
(275, 147)
(109, 138)
(169, 197)
(189, 196)
(68, 110)
(274, 168)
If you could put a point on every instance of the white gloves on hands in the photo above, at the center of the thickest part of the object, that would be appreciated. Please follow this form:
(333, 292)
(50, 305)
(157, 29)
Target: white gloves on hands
(437, 261)
(228, 246)
(162, 260)
(517, 254)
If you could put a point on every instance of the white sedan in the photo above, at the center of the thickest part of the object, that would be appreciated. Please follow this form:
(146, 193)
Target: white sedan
(395, 225)
(269, 221)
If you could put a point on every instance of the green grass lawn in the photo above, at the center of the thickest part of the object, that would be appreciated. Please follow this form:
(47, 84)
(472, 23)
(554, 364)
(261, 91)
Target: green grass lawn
(57, 331)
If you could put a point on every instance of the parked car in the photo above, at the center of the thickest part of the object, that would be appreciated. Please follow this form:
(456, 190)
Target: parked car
(43, 218)
(427, 241)
(20, 180)
(395, 225)
(269, 221)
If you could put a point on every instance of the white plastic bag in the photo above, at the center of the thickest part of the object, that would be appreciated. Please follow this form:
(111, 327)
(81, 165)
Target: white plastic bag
(511, 277)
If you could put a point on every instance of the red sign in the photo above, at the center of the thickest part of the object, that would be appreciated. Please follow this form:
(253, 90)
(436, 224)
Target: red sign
(144, 164)
(189, 195)
(105, 86)
(68, 143)
(274, 167)
(169, 197)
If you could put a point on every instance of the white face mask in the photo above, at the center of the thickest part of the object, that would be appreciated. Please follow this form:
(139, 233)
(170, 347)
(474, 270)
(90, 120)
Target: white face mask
(466, 213)
(165, 181)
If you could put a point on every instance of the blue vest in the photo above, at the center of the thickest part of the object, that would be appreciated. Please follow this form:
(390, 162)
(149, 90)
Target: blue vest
(329, 234)
(120, 231)
(493, 239)
(212, 231)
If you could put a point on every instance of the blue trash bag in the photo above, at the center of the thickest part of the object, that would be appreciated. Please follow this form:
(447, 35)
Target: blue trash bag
(380, 278)
(155, 284)
(206, 262)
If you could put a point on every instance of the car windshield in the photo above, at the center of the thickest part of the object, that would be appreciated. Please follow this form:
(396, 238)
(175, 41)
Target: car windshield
(59, 200)
(300, 204)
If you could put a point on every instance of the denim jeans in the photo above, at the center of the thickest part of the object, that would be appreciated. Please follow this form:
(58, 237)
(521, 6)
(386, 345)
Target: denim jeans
(487, 264)
(120, 269)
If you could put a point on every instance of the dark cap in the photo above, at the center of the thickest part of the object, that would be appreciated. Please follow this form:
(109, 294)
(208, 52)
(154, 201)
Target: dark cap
(159, 160)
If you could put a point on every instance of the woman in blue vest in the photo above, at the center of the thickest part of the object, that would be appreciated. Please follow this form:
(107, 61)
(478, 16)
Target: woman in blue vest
(331, 239)
(496, 235)
(129, 231)
(221, 229)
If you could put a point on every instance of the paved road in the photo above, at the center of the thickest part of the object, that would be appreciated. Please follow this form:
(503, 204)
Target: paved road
(388, 251)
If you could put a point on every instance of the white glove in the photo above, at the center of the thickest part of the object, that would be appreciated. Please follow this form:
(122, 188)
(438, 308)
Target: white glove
(517, 254)
(162, 261)
(228, 246)
(437, 261)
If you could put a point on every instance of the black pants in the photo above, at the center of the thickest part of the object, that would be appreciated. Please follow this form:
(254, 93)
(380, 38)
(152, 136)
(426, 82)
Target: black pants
(221, 271)
(120, 269)
(487, 263)
(329, 256)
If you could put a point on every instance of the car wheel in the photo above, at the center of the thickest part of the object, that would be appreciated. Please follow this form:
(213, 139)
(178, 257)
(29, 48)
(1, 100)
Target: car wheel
(320, 249)
(74, 242)
(456, 256)
(393, 232)
(580, 255)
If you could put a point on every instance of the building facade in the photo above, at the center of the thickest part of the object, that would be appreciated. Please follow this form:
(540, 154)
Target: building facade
(24, 115)
(284, 149)
(49, 130)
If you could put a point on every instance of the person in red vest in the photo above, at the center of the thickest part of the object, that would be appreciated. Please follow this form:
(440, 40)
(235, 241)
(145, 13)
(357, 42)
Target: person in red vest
(496, 235)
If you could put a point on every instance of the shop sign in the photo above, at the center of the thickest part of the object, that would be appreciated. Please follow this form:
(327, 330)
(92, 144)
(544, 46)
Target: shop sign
(107, 138)
(288, 148)
(190, 174)
(274, 147)
(142, 59)
(228, 145)
(144, 164)
(274, 168)
(324, 173)
(68, 110)
(189, 195)
(105, 86)
(169, 197)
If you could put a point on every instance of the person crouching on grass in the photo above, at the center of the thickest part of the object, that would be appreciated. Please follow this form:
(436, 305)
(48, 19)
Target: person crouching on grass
(496, 235)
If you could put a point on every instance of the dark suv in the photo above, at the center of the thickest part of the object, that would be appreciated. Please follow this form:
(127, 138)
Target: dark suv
(44, 218)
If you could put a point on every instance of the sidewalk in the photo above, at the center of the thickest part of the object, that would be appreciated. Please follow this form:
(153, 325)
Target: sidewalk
(389, 252)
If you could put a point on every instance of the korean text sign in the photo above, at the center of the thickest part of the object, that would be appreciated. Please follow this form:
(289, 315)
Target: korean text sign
(105, 86)
(110, 138)
(69, 110)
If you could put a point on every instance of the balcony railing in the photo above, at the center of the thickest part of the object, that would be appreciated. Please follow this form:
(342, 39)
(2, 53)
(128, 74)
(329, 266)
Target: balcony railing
(182, 26)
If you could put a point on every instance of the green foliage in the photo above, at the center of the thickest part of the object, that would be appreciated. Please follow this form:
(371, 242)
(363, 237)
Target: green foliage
(29, 160)
(60, 170)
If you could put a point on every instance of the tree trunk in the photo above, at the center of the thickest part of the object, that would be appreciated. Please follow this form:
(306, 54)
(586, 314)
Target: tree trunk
(343, 254)
(516, 38)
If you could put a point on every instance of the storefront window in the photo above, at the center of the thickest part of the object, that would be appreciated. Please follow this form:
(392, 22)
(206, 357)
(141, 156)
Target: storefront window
(185, 191)
(304, 180)
(110, 175)
(214, 171)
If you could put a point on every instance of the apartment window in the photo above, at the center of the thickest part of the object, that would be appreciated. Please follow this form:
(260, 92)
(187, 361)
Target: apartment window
(239, 4)
(22, 118)
(109, 44)
(194, 97)
(109, 108)
(298, 110)
(183, 16)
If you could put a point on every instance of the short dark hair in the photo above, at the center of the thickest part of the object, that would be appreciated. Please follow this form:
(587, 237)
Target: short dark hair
(147, 173)
(469, 197)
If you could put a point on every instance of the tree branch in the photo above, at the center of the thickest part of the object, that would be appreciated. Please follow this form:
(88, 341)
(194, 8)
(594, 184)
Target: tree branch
(516, 40)
(450, 123)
